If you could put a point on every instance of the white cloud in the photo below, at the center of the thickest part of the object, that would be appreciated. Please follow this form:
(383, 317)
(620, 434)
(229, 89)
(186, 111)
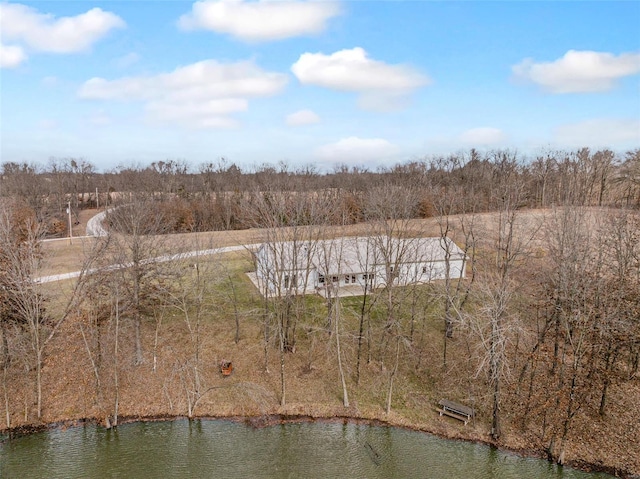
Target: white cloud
(599, 133)
(302, 117)
(357, 150)
(11, 56)
(381, 86)
(579, 71)
(260, 21)
(484, 136)
(200, 95)
(43, 32)
(209, 114)
(29, 29)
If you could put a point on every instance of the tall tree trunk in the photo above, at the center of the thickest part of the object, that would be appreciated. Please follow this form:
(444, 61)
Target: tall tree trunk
(39, 375)
(156, 338)
(6, 395)
(115, 365)
(94, 366)
(236, 313)
(5, 367)
(361, 332)
(610, 359)
(283, 388)
(267, 335)
(138, 360)
(393, 375)
(495, 374)
(345, 394)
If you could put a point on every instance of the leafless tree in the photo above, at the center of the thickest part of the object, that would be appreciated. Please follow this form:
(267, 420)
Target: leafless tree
(331, 254)
(509, 239)
(455, 217)
(628, 178)
(366, 261)
(136, 240)
(21, 260)
(192, 295)
(389, 210)
(290, 237)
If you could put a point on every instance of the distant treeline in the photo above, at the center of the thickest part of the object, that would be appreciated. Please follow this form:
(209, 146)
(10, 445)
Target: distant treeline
(214, 196)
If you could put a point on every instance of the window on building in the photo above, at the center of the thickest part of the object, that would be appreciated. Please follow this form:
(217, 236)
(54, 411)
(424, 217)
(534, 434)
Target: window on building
(321, 279)
(335, 279)
(346, 279)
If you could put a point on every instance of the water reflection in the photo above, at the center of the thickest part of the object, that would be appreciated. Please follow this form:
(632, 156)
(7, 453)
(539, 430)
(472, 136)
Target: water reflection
(224, 449)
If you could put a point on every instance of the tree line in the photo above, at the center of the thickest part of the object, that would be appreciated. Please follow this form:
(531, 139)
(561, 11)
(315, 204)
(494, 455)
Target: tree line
(211, 196)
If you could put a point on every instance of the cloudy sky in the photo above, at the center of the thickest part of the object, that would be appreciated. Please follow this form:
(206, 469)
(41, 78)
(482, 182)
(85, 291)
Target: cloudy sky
(348, 82)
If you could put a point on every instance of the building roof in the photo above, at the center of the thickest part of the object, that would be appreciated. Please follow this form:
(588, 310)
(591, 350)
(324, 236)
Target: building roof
(356, 254)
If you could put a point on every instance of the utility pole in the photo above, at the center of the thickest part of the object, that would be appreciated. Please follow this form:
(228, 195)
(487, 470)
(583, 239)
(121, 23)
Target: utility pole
(70, 225)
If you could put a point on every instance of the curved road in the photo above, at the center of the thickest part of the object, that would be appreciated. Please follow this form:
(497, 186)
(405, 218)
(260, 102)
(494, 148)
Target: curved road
(94, 225)
(95, 228)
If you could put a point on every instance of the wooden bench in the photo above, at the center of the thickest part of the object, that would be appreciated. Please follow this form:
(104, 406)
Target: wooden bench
(455, 410)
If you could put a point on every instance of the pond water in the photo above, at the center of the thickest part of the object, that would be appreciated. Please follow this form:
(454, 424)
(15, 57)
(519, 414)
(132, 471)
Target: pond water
(226, 449)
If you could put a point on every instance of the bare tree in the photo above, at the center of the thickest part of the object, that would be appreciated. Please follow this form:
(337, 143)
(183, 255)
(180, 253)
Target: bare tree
(136, 240)
(366, 261)
(628, 178)
(21, 261)
(616, 301)
(331, 254)
(25, 182)
(508, 247)
(455, 217)
(192, 298)
(389, 210)
(285, 268)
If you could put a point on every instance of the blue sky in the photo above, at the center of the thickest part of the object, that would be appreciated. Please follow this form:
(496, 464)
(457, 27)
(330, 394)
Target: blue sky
(363, 83)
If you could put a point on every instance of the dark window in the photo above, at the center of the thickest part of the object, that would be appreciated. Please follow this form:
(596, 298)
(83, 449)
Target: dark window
(346, 279)
(321, 279)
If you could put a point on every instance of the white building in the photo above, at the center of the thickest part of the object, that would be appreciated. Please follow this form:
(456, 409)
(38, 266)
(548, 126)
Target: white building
(298, 267)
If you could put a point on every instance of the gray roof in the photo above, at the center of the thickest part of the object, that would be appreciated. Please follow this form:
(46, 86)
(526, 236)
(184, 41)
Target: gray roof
(356, 254)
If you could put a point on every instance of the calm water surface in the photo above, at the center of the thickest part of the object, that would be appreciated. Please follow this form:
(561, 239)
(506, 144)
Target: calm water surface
(224, 449)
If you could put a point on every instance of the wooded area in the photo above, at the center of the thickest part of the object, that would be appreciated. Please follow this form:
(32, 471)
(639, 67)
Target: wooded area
(542, 337)
(214, 196)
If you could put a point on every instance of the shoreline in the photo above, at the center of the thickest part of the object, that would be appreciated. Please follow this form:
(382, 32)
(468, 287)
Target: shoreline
(274, 419)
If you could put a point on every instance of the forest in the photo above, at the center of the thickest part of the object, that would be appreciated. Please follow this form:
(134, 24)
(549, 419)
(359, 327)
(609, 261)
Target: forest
(541, 337)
